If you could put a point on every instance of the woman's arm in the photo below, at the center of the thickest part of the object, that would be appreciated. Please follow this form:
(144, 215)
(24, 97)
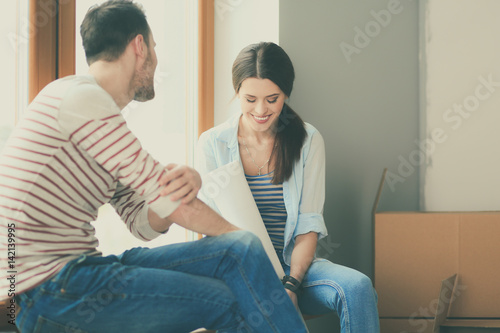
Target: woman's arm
(310, 225)
(312, 197)
(302, 256)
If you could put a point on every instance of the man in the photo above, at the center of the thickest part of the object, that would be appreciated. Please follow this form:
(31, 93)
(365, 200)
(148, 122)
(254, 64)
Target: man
(71, 154)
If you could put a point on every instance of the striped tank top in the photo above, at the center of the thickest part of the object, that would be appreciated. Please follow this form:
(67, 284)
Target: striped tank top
(269, 200)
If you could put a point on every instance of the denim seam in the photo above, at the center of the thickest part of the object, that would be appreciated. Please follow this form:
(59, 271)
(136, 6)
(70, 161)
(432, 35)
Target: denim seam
(67, 273)
(340, 291)
(29, 303)
(188, 298)
(42, 320)
(237, 259)
(254, 296)
(74, 297)
(196, 259)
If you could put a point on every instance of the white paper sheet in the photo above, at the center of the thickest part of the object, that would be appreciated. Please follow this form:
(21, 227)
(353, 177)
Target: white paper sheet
(228, 187)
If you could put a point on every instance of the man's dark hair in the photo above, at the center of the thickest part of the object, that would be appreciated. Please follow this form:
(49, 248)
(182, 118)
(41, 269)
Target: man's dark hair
(108, 28)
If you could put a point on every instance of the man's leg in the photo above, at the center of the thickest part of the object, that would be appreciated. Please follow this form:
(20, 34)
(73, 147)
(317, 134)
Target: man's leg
(239, 260)
(102, 295)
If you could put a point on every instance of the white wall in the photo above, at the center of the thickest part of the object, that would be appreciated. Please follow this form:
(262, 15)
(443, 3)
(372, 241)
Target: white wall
(238, 23)
(158, 122)
(461, 54)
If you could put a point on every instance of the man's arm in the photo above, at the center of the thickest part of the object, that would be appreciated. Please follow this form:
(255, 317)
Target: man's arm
(182, 182)
(195, 216)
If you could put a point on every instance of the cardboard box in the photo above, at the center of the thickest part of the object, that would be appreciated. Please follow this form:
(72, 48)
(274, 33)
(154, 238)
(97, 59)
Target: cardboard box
(440, 323)
(406, 325)
(415, 252)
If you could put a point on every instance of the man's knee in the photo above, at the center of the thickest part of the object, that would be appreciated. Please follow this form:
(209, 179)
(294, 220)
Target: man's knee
(246, 237)
(244, 242)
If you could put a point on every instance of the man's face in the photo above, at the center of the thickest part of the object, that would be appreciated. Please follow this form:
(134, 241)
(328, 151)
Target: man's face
(144, 79)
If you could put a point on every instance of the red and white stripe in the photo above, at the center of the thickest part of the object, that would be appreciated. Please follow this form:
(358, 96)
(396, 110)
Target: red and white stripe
(72, 153)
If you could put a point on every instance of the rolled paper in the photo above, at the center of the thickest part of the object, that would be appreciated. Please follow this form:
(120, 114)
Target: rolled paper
(228, 188)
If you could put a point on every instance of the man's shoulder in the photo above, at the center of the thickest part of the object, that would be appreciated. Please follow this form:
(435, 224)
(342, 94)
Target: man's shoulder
(77, 90)
(81, 100)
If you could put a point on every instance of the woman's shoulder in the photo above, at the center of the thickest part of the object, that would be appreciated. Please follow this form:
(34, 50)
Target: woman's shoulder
(310, 128)
(313, 142)
(311, 131)
(222, 132)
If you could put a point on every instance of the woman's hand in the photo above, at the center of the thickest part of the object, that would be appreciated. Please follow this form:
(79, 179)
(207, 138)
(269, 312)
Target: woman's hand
(182, 182)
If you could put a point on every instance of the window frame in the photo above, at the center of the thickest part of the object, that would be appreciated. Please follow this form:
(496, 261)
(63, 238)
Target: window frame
(206, 29)
(51, 42)
(52, 54)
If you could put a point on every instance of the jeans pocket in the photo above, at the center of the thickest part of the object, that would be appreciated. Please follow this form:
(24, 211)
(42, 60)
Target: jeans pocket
(44, 325)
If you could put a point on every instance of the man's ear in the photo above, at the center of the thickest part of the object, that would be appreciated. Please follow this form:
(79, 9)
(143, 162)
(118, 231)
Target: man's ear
(140, 47)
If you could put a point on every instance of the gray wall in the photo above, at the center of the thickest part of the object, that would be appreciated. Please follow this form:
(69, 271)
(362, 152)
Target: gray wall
(366, 109)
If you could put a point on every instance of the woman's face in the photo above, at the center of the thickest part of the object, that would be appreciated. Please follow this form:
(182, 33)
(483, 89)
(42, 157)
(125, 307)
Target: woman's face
(261, 103)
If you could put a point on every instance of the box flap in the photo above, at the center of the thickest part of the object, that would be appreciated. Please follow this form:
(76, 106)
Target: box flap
(445, 299)
(379, 192)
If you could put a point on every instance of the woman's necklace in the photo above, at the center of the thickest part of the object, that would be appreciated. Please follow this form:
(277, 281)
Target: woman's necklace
(258, 167)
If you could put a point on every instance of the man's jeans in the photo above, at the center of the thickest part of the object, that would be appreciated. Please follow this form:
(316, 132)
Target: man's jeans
(224, 282)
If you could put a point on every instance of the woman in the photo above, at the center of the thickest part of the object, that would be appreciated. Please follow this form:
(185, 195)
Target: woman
(284, 163)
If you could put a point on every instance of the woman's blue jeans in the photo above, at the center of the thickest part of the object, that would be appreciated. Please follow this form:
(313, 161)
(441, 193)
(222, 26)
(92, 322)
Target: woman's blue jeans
(331, 287)
(224, 282)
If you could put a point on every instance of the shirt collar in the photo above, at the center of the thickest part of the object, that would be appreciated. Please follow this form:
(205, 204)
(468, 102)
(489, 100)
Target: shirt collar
(229, 134)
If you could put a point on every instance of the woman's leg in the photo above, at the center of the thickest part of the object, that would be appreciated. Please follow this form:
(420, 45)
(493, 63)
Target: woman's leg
(348, 292)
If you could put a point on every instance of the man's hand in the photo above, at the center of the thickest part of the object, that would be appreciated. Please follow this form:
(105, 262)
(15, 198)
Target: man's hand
(182, 182)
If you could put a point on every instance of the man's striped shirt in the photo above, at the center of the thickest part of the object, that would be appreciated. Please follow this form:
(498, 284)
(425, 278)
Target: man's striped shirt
(71, 153)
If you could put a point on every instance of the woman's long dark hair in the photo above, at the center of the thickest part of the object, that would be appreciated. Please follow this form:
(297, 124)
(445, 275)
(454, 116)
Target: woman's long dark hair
(269, 61)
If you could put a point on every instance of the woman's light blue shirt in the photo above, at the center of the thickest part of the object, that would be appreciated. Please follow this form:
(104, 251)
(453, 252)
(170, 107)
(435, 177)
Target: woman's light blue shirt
(303, 192)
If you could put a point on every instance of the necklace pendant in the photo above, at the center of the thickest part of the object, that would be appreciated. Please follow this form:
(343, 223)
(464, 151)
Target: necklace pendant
(260, 168)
